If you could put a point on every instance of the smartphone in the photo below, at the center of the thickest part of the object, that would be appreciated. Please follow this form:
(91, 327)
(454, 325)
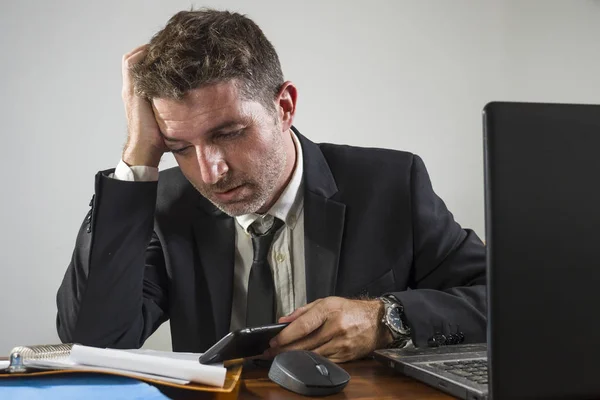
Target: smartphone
(246, 342)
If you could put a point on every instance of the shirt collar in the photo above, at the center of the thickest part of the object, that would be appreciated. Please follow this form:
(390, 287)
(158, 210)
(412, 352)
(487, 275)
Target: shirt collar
(289, 204)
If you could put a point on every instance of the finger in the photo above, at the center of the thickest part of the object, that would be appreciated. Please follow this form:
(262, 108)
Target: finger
(136, 50)
(316, 339)
(132, 60)
(301, 327)
(136, 57)
(298, 312)
(127, 64)
(333, 351)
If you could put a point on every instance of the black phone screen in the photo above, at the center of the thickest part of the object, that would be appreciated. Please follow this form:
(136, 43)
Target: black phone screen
(246, 342)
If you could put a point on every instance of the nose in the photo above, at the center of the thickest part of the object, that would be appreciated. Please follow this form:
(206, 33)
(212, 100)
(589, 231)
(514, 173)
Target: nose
(212, 165)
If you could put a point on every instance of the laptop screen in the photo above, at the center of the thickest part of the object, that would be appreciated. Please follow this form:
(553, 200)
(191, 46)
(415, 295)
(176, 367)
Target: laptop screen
(542, 167)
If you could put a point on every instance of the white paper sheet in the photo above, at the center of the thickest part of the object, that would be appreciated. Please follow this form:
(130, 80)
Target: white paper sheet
(179, 366)
(171, 354)
(4, 364)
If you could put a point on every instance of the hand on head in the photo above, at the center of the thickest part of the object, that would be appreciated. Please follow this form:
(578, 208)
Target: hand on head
(145, 145)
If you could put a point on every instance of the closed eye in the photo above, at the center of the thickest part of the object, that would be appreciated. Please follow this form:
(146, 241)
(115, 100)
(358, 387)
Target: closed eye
(181, 150)
(229, 135)
(218, 136)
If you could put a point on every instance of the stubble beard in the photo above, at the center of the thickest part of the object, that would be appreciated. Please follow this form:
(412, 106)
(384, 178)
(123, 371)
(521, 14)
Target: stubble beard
(269, 171)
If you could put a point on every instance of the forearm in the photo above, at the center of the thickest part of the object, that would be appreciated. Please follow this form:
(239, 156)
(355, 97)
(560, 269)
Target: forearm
(101, 301)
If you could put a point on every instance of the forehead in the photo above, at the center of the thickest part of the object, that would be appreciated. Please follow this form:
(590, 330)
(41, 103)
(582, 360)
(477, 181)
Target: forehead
(202, 108)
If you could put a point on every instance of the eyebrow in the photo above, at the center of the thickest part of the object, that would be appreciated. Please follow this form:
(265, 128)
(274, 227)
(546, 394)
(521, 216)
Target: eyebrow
(221, 127)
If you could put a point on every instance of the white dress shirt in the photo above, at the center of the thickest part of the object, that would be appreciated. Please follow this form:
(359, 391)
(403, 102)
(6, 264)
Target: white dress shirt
(286, 255)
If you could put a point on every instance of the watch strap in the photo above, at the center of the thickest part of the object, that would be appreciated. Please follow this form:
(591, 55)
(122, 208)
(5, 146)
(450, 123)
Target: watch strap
(399, 339)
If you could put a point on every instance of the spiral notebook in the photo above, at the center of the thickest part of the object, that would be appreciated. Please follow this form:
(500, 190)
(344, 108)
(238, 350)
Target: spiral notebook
(179, 370)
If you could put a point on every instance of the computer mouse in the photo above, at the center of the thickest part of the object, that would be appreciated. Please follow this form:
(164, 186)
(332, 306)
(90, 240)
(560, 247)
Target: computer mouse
(307, 373)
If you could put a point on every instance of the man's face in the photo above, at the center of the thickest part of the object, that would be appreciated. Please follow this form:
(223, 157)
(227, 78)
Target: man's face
(230, 149)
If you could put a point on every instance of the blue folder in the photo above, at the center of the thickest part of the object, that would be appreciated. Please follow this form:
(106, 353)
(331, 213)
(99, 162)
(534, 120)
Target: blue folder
(80, 386)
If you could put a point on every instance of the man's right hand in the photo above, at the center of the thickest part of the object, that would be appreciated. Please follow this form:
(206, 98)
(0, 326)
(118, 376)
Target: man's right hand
(145, 145)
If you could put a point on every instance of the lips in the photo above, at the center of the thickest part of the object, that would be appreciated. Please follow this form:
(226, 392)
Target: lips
(228, 195)
(228, 190)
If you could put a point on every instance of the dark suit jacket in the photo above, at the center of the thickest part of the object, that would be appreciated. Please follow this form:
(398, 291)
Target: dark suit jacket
(149, 251)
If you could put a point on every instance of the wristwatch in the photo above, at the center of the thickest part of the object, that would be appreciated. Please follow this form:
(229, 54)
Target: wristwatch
(395, 320)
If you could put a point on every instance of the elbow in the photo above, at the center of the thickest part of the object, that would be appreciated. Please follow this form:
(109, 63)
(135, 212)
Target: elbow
(63, 330)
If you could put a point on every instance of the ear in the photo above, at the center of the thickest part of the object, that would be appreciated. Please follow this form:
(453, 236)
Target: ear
(286, 104)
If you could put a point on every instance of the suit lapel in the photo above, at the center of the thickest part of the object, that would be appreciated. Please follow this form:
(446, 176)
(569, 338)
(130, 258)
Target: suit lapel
(323, 223)
(323, 229)
(215, 237)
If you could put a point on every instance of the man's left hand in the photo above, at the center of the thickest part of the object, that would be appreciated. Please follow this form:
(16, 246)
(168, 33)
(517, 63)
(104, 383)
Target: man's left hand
(337, 328)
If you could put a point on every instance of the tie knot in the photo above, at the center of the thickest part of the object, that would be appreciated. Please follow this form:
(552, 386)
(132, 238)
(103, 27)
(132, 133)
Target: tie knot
(267, 225)
(261, 242)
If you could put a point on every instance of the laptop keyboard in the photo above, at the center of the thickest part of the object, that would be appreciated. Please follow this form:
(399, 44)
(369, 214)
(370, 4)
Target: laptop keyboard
(473, 370)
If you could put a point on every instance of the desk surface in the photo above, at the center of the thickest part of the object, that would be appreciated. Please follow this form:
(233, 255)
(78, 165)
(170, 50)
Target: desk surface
(369, 379)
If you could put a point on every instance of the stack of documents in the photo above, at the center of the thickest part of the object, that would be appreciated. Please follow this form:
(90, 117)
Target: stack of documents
(169, 367)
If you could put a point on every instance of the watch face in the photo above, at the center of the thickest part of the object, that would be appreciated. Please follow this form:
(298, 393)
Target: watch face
(394, 320)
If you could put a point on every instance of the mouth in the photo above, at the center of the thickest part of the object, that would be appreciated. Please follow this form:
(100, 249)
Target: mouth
(230, 194)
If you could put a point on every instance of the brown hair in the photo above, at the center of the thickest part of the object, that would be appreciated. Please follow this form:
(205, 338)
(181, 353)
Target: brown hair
(202, 47)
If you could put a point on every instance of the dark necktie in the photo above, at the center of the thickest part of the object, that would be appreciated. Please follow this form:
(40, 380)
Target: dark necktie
(260, 307)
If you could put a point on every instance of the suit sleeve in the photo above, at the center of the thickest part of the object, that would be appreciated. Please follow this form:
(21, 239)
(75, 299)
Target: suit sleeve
(448, 276)
(114, 293)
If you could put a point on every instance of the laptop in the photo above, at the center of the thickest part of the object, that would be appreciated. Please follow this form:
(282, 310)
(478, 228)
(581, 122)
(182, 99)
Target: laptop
(542, 211)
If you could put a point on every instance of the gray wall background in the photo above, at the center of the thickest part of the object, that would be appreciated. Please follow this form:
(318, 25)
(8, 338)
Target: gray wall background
(411, 75)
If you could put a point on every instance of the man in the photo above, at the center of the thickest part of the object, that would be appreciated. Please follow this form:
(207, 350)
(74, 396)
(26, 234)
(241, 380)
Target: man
(259, 224)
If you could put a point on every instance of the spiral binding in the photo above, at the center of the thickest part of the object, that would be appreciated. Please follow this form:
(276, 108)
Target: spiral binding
(21, 354)
(43, 352)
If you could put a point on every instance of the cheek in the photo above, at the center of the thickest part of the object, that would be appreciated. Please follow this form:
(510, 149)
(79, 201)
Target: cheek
(247, 155)
(243, 161)
(190, 168)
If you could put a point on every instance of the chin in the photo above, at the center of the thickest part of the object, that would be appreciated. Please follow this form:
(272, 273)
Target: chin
(238, 208)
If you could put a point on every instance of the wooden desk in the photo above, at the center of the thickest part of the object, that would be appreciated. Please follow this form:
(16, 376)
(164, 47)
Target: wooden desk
(369, 380)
